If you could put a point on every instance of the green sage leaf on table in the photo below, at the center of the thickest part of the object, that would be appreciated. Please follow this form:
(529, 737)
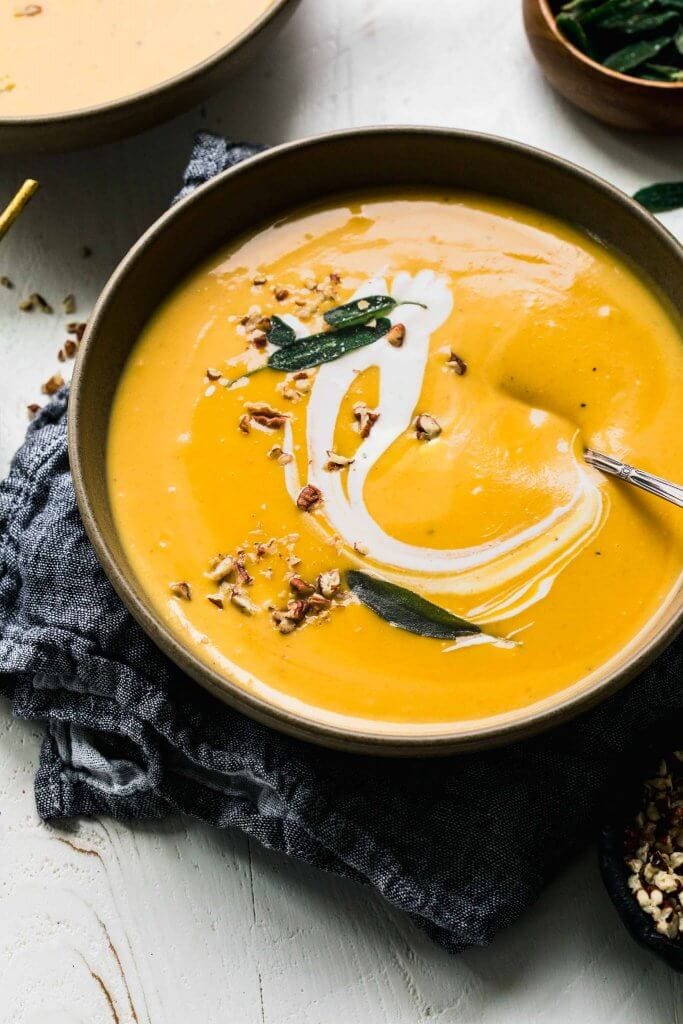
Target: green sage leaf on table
(406, 610)
(280, 333)
(325, 347)
(361, 311)
(667, 195)
(633, 55)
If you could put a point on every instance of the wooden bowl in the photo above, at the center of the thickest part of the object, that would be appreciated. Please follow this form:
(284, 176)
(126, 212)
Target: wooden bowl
(616, 99)
(267, 188)
(91, 126)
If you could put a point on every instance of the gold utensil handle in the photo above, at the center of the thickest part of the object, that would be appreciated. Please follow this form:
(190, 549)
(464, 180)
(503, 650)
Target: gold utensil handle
(646, 481)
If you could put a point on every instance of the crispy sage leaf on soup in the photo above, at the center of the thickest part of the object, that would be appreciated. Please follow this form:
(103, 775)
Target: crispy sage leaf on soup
(280, 333)
(361, 311)
(407, 610)
(667, 195)
(325, 347)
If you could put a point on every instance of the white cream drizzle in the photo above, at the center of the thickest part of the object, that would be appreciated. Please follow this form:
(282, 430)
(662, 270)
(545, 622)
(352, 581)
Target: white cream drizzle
(500, 568)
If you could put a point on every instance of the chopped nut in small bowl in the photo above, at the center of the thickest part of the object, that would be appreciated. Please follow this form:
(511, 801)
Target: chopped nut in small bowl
(641, 847)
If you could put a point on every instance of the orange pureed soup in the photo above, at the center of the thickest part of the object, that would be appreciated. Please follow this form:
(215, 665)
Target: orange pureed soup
(62, 55)
(442, 456)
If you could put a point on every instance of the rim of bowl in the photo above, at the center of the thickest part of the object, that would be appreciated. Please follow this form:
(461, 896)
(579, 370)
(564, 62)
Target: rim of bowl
(618, 76)
(517, 724)
(133, 99)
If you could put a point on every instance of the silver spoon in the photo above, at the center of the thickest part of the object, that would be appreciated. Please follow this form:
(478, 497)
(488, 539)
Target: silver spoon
(647, 481)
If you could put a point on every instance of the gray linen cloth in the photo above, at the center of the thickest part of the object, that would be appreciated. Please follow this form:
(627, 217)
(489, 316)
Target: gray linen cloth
(462, 844)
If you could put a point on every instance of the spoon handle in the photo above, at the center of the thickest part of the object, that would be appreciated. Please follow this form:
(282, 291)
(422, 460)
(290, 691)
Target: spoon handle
(647, 481)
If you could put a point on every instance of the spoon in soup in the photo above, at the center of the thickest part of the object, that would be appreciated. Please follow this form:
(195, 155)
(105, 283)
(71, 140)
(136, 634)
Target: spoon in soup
(638, 477)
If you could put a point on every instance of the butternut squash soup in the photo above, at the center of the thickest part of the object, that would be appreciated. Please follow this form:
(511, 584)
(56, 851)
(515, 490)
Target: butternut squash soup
(63, 55)
(346, 458)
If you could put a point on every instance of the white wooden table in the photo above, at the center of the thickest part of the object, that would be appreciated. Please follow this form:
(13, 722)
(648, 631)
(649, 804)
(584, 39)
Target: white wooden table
(175, 923)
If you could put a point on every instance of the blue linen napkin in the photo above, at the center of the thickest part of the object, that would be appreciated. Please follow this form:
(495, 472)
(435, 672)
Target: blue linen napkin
(462, 844)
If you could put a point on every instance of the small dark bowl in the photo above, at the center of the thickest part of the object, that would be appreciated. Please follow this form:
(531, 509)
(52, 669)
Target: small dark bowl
(616, 99)
(268, 187)
(90, 126)
(615, 873)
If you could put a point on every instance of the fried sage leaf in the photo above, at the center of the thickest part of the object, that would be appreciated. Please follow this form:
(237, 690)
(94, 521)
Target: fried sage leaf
(280, 333)
(608, 9)
(661, 73)
(635, 54)
(361, 311)
(406, 610)
(667, 195)
(572, 28)
(635, 24)
(325, 347)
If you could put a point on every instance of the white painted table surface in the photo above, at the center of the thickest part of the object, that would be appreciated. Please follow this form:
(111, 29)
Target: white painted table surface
(175, 923)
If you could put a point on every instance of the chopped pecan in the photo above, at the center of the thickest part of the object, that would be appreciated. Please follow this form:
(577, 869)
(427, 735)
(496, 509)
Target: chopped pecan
(266, 416)
(309, 498)
(296, 610)
(244, 423)
(258, 339)
(241, 570)
(33, 409)
(365, 417)
(281, 294)
(53, 384)
(216, 600)
(284, 622)
(221, 567)
(301, 587)
(77, 328)
(426, 427)
(265, 549)
(242, 601)
(280, 456)
(181, 589)
(396, 335)
(329, 582)
(212, 373)
(336, 462)
(457, 364)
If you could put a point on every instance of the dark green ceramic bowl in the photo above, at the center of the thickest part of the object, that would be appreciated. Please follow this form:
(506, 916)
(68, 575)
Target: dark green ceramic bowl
(263, 189)
(90, 126)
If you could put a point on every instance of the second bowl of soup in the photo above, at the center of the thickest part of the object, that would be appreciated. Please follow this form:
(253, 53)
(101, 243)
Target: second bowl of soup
(77, 73)
(342, 470)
